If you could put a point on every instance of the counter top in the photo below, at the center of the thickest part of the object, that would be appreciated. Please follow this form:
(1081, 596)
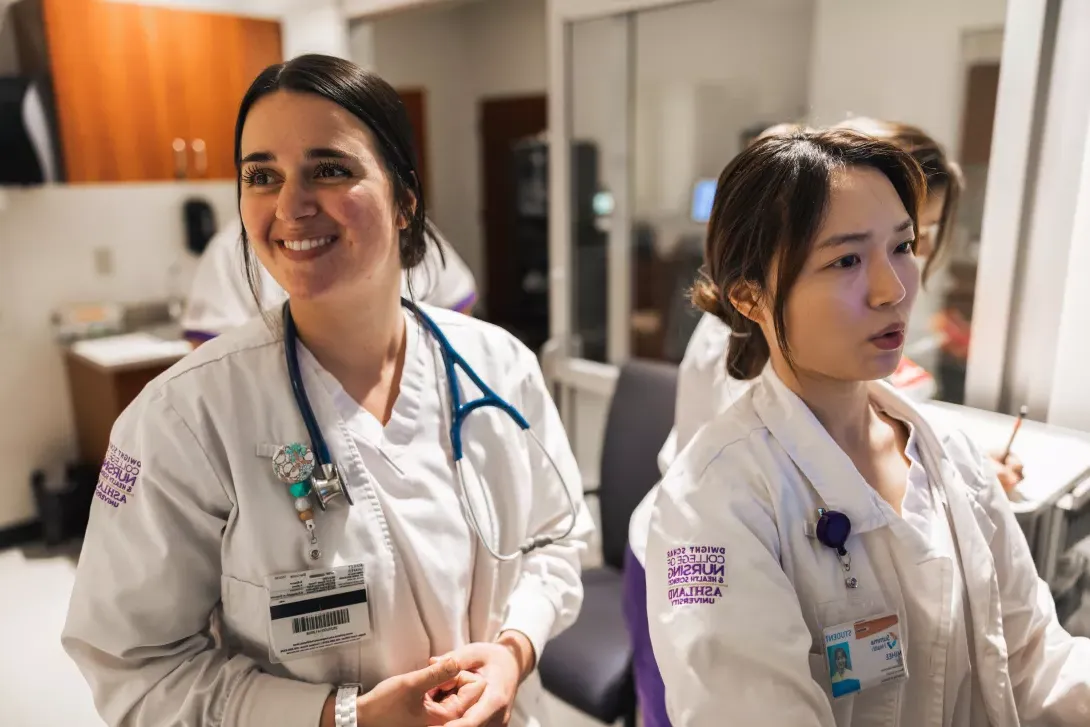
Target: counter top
(1055, 459)
(130, 351)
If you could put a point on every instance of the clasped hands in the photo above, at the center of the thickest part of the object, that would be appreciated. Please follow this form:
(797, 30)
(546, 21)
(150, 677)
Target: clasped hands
(473, 686)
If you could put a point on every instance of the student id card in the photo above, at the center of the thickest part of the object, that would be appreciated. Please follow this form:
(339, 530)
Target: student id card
(864, 654)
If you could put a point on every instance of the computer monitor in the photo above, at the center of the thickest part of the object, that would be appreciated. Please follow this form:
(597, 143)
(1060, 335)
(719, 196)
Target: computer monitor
(703, 195)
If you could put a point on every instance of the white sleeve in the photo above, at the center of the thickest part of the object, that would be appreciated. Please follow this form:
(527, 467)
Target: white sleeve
(1049, 668)
(219, 296)
(443, 281)
(549, 590)
(704, 389)
(148, 582)
(640, 523)
(740, 648)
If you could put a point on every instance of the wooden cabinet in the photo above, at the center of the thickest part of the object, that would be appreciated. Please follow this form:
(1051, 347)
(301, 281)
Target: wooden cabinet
(148, 93)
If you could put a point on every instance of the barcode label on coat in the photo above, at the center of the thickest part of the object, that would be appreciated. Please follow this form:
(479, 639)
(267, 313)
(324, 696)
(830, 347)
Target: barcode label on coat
(321, 621)
(315, 610)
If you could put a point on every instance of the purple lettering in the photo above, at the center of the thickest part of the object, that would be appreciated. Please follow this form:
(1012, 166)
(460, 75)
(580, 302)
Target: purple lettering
(696, 569)
(691, 591)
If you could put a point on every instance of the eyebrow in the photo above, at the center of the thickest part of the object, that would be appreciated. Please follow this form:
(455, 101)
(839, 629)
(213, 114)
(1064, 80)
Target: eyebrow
(319, 153)
(850, 237)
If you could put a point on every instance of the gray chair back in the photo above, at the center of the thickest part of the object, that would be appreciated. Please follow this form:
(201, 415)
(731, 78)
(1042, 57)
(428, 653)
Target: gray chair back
(640, 418)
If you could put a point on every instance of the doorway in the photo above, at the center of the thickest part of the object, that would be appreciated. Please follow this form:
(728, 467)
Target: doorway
(503, 122)
(416, 108)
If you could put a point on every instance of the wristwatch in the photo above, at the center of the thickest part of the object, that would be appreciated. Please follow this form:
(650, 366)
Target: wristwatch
(344, 708)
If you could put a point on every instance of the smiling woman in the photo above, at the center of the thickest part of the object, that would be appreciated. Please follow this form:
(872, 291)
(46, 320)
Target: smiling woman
(388, 605)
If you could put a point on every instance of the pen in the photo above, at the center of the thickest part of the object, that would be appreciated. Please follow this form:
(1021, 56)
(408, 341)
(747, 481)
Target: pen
(1017, 425)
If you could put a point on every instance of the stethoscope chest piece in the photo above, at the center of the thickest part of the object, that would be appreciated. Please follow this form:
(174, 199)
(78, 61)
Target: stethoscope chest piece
(328, 486)
(294, 465)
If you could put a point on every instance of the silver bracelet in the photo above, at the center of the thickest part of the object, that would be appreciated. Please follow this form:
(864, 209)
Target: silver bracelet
(344, 708)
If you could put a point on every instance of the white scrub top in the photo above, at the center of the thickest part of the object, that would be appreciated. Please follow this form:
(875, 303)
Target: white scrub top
(189, 521)
(220, 298)
(750, 482)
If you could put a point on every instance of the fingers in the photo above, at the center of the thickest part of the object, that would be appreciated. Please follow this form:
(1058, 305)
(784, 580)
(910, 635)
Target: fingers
(466, 696)
(1008, 480)
(463, 679)
(489, 707)
(432, 676)
(441, 709)
(469, 657)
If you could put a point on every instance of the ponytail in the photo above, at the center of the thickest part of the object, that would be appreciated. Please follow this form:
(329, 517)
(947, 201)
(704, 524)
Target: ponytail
(747, 351)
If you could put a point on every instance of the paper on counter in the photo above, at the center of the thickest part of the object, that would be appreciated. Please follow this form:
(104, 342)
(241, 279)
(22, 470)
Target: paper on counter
(130, 349)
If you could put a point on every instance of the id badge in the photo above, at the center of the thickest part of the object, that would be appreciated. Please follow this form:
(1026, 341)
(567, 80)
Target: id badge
(314, 610)
(864, 654)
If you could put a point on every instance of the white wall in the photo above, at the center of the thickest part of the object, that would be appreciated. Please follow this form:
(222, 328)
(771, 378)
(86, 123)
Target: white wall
(459, 53)
(48, 239)
(895, 60)
(704, 73)
(906, 62)
(506, 42)
(1070, 395)
(320, 26)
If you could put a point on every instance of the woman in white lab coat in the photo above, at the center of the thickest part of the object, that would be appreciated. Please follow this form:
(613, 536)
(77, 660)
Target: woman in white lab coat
(220, 296)
(822, 509)
(705, 389)
(210, 590)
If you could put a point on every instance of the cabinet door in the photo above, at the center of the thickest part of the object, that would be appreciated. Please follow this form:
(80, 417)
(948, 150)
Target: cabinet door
(218, 56)
(113, 108)
(151, 93)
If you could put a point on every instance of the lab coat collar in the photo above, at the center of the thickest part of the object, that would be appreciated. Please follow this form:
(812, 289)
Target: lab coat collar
(829, 470)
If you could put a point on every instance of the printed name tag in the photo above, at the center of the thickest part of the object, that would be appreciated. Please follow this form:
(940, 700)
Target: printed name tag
(864, 654)
(314, 610)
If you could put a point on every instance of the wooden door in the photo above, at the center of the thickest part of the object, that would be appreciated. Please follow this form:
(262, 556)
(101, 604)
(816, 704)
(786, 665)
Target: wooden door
(981, 91)
(416, 108)
(503, 121)
(113, 112)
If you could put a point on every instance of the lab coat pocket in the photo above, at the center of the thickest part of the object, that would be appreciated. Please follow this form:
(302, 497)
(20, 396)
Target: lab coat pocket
(246, 630)
(819, 671)
(858, 604)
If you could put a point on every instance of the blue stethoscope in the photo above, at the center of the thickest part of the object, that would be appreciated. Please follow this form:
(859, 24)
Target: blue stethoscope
(298, 467)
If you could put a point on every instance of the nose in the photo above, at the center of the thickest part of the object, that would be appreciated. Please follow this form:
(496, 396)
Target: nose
(885, 286)
(295, 201)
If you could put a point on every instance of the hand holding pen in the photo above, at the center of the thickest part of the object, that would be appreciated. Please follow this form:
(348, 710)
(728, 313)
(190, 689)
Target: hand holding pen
(1008, 467)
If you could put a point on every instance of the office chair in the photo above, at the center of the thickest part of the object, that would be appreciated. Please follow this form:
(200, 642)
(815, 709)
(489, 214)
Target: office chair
(589, 666)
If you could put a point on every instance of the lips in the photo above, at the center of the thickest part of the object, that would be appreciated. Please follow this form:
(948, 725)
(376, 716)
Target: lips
(308, 243)
(891, 338)
(306, 248)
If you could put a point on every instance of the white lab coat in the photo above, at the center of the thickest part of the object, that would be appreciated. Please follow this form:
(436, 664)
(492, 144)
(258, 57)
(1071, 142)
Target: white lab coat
(206, 522)
(220, 298)
(704, 390)
(749, 482)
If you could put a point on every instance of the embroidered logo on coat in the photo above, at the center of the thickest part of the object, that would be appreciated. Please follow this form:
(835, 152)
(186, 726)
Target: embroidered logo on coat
(696, 574)
(117, 477)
